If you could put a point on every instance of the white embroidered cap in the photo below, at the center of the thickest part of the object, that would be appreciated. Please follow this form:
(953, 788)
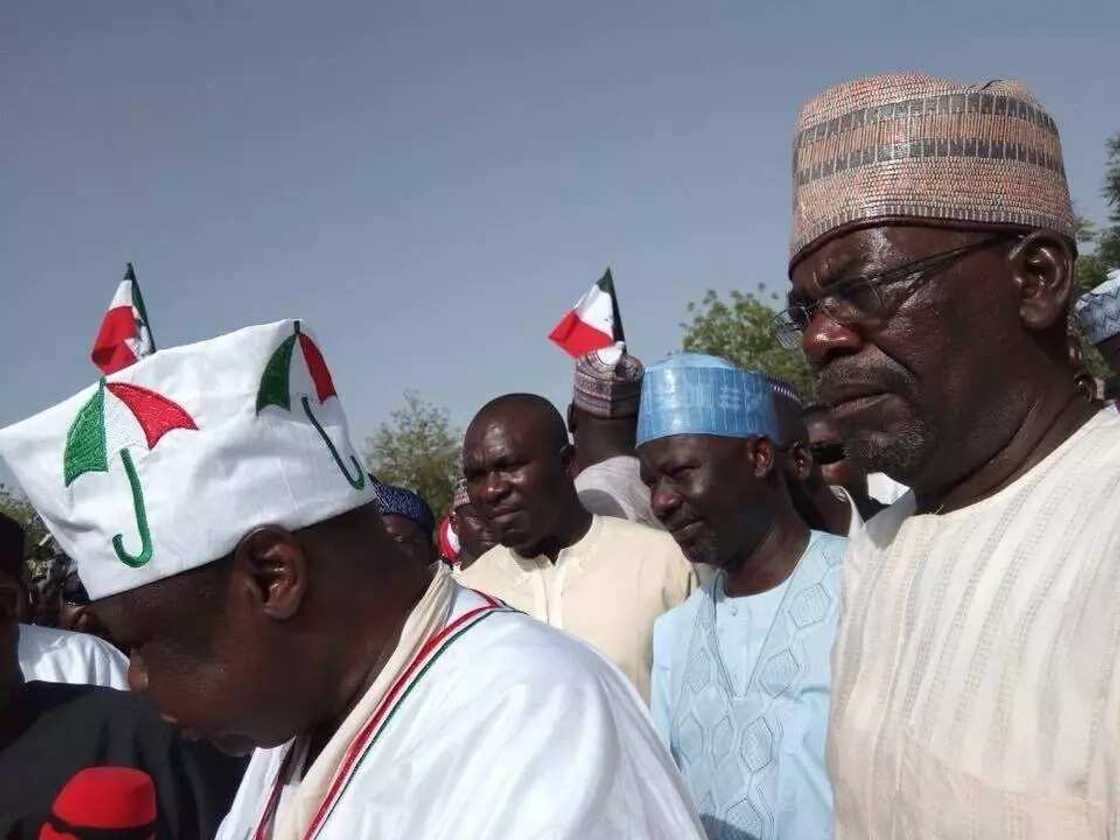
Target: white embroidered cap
(167, 464)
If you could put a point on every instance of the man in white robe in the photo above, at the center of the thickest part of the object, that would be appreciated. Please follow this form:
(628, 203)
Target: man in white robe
(228, 537)
(976, 677)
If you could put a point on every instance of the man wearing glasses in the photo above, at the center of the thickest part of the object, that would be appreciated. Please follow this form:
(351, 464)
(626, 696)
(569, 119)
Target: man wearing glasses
(976, 685)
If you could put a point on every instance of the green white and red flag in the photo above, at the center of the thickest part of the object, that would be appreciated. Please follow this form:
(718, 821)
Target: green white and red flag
(124, 336)
(593, 323)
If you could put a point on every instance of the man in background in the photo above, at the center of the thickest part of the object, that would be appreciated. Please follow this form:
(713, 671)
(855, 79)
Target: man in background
(51, 655)
(1098, 313)
(409, 522)
(741, 669)
(839, 473)
(474, 535)
(822, 507)
(602, 419)
(602, 578)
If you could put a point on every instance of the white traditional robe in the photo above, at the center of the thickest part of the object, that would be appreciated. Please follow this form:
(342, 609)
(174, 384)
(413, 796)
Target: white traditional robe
(513, 730)
(741, 692)
(60, 656)
(606, 589)
(976, 688)
(614, 487)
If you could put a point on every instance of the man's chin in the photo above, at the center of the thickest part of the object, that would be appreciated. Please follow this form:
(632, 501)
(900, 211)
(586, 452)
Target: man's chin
(234, 745)
(899, 455)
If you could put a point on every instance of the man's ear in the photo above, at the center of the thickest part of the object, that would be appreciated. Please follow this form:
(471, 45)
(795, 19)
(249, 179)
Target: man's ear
(572, 418)
(800, 461)
(1042, 267)
(272, 567)
(763, 455)
(567, 459)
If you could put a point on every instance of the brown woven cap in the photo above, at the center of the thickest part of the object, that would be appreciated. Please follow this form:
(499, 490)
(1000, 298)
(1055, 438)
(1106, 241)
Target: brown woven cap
(608, 383)
(909, 145)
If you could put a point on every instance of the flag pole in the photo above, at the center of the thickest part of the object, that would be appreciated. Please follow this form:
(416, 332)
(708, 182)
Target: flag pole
(616, 314)
(130, 274)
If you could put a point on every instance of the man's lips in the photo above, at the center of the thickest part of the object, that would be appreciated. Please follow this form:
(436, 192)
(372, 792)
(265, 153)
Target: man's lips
(500, 517)
(684, 533)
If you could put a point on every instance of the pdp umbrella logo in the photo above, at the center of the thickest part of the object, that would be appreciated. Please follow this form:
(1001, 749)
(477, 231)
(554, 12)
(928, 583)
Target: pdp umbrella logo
(276, 389)
(87, 449)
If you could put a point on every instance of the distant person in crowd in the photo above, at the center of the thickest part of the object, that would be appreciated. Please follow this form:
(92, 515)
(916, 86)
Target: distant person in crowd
(12, 563)
(48, 732)
(51, 655)
(741, 674)
(823, 508)
(976, 688)
(408, 521)
(475, 536)
(842, 475)
(1098, 313)
(602, 419)
(603, 579)
(243, 562)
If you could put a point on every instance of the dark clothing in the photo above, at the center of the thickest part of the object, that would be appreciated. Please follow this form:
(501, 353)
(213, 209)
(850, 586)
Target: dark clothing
(54, 730)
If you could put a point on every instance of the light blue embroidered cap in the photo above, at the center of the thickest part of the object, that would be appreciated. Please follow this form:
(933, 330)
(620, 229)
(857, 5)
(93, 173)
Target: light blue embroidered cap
(1098, 311)
(695, 394)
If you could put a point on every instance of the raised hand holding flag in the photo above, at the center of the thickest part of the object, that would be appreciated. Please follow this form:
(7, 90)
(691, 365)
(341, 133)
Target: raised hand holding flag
(124, 336)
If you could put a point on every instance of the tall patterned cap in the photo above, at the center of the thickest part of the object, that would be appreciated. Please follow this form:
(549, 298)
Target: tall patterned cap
(608, 382)
(397, 501)
(461, 495)
(788, 407)
(912, 146)
(694, 394)
(1098, 311)
(164, 466)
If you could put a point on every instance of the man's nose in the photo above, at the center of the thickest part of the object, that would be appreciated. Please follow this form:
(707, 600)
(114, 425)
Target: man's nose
(495, 489)
(825, 338)
(663, 500)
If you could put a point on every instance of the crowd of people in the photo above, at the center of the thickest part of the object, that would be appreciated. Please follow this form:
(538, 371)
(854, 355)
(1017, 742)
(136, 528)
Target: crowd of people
(687, 609)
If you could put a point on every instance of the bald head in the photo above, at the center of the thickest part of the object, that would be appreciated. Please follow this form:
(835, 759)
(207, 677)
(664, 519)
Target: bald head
(515, 459)
(530, 409)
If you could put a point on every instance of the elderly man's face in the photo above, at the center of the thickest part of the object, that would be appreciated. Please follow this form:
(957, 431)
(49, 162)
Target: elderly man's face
(704, 491)
(922, 368)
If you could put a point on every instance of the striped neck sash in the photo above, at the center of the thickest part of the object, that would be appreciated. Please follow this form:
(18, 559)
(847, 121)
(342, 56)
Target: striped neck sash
(369, 733)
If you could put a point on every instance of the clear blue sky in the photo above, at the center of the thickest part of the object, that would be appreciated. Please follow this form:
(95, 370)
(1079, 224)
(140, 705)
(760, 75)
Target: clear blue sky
(432, 184)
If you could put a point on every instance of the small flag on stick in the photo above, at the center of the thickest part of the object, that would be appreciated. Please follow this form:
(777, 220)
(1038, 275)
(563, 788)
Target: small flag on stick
(125, 335)
(594, 322)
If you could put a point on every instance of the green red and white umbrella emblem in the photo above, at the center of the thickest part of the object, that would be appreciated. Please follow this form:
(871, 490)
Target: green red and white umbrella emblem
(276, 389)
(87, 448)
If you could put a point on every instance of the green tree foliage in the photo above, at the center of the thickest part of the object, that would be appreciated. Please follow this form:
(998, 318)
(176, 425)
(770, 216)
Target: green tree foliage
(419, 450)
(740, 330)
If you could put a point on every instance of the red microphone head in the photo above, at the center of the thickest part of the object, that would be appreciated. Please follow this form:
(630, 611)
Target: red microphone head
(103, 799)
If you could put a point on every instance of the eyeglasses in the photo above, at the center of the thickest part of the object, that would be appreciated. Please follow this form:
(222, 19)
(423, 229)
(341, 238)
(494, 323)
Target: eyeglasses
(827, 452)
(861, 299)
